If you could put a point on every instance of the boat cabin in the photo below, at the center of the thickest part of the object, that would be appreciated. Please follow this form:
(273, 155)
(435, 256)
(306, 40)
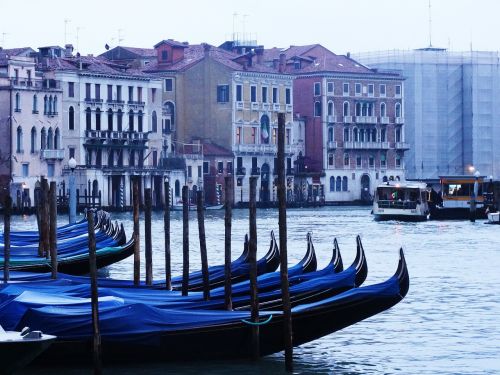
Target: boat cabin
(401, 201)
(457, 191)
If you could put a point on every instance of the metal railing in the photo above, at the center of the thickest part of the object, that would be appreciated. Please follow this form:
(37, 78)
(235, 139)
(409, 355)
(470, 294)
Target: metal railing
(52, 154)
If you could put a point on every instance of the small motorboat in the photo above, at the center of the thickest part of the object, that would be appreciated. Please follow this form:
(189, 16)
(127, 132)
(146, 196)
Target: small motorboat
(18, 349)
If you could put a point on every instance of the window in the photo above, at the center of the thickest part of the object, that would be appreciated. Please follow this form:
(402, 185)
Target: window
(344, 183)
(50, 139)
(330, 134)
(130, 93)
(264, 94)
(317, 88)
(296, 64)
(338, 184)
(239, 93)
(229, 167)
(346, 109)
(345, 89)
(97, 91)
(371, 161)
(382, 135)
(131, 121)
(168, 84)
(119, 120)
(139, 94)
(355, 135)
(276, 96)
(287, 136)
(131, 158)
(382, 110)
(87, 91)
(220, 167)
(374, 135)
(358, 161)
(222, 93)
(26, 170)
(288, 99)
(398, 161)
(252, 135)
(205, 167)
(330, 108)
(238, 135)
(397, 110)
(97, 119)
(50, 170)
(35, 104)
(110, 93)
(190, 171)
(118, 93)
(57, 139)
(71, 152)
(358, 109)
(110, 119)
(397, 90)
(382, 90)
(45, 105)
(43, 139)
(332, 183)
(371, 89)
(155, 158)
(199, 171)
(383, 160)
(177, 188)
(253, 94)
(398, 134)
(154, 122)
(329, 88)
(33, 140)
(164, 55)
(139, 122)
(346, 160)
(317, 109)
(346, 134)
(153, 95)
(18, 103)
(330, 160)
(357, 89)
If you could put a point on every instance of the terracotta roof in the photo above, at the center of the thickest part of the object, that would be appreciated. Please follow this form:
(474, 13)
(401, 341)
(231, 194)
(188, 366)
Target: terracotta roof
(16, 51)
(212, 149)
(171, 42)
(143, 52)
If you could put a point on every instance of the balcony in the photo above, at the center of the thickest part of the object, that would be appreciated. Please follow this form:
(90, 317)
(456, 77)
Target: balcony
(276, 107)
(254, 106)
(347, 119)
(135, 104)
(384, 120)
(256, 148)
(40, 84)
(93, 101)
(366, 119)
(399, 120)
(52, 154)
(289, 108)
(366, 145)
(331, 119)
(331, 145)
(402, 146)
(239, 105)
(255, 171)
(115, 103)
(96, 134)
(241, 171)
(265, 106)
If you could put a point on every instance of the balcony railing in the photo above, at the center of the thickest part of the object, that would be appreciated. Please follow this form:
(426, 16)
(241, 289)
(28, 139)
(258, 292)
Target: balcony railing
(265, 106)
(399, 120)
(332, 145)
(255, 106)
(331, 118)
(114, 102)
(241, 171)
(347, 119)
(289, 108)
(52, 154)
(41, 84)
(402, 146)
(276, 107)
(116, 135)
(257, 148)
(366, 119)
(366, 145)
(93, 101)
(255, 171)
(239, 105)
(384, 120)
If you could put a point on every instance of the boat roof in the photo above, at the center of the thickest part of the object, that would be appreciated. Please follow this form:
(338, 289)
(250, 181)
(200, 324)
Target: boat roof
(463, 178)
(404, 185)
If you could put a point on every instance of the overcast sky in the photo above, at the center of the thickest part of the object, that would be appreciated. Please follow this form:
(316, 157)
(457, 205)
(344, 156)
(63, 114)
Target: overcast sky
(340, 25)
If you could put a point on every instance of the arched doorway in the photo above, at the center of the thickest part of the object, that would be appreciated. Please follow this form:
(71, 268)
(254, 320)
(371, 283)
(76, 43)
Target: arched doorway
(264, 183)
(365, 188)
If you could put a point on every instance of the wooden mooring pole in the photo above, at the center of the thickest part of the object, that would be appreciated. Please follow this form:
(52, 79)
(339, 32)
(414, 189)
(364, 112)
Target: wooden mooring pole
(43, 247)
(148, 251)
(252, 259)
(203, 244)
(53, 228)
(6, 237)
(136, 234)
(285, 292)
(166, 228)
(228, 182)
(185, 240)
(96, 347)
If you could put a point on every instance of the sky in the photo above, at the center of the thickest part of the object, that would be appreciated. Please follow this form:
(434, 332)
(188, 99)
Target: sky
(340, 25)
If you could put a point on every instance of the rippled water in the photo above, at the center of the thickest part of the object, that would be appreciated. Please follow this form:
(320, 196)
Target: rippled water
(447, 324)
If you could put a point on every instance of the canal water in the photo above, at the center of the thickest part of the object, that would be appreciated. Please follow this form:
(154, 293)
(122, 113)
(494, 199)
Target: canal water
(447, 324)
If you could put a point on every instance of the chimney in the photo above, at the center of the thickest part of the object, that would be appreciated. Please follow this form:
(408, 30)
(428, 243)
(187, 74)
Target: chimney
(282, 64)
(259, 51)
(275, 64)
(206, 48)
(348, 55)
(68, 50)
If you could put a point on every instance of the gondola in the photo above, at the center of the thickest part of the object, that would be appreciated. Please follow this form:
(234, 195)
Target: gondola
(139, 332)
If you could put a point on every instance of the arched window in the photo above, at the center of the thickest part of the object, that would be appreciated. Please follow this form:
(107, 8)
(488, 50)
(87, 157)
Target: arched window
(382, 135)
(346, 134)
(382, 110)
(177, 188)
(54, 106)
(398, 161)
(317, 109)
(364, 109)
(374, 135)
(264, 130)
(332, 183)
(131, 158)
(18, 102)
(43, 139)
(71, 118)
(131, 121)
(169, 110)
(139, 121)
(33, 140)
(154, 122)
(35, 104)
(355, 135)
(45, 105)
(384, 179)
(358, 109)
(57, 140)
(398, 134)
(98, 119)
(346, 160)
(50, 139)
(19, 143)
(49, 109)
(397, 110)
(344, 183)
(119, 120)
(338, 184)
(330, 108)
(88, 119)
(110, 119)
(361, 135)
(330, 134)
(346, 109)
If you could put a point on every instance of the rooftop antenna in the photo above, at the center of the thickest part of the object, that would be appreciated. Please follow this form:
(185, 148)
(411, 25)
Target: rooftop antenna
(430, 25)
(235, 15)
(243, 22)
(78, 38)
(3, 39)
(120, 39)
(66, 21)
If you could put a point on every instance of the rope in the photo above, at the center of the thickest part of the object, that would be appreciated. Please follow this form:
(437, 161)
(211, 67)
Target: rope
(258, 323)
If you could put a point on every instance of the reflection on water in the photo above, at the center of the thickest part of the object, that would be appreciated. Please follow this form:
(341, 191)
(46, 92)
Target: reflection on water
(447, 324)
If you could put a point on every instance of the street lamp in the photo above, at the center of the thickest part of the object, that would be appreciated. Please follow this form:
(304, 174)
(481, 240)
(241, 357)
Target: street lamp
(72, 191)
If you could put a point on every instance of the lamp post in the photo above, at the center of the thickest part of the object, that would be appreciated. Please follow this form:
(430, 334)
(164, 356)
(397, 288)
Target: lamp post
(473, 202)
(72, 191)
